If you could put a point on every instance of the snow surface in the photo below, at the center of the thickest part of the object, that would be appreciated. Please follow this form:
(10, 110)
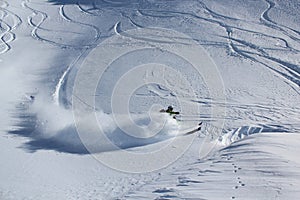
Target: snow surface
(53, 99)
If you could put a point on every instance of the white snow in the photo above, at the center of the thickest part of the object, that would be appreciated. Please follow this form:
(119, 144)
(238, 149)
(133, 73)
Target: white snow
(71, 129)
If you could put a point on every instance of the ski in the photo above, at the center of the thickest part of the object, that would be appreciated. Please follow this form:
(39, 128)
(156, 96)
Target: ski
(198, 128)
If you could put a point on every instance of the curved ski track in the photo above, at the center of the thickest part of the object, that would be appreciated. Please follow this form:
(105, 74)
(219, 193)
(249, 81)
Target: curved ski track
(93, 11)
(62, 13)
(94, 28)
(7, 35)
(42, 16)
(272, 24)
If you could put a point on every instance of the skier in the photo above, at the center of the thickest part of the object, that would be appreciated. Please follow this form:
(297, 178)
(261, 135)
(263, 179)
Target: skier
(170, 111)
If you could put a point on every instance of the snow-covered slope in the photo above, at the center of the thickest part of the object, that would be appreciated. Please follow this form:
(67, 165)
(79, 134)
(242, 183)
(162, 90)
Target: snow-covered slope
(70, 66)
(259, 167)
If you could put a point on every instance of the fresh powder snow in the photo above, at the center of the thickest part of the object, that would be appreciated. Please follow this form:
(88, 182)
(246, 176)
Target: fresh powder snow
(83, 83)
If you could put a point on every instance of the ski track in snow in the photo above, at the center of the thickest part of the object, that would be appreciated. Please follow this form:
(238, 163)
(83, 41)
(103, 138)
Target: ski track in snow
(6, 27)
(94, 28)
(92, 10)
(42, 17)
(269, 22)
(62, 80)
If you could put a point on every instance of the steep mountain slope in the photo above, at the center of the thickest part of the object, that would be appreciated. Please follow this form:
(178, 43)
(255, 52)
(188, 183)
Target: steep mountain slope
(69, 67)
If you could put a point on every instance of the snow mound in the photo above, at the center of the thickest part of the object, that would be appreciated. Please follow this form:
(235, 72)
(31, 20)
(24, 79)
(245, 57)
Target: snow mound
(238, 134)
